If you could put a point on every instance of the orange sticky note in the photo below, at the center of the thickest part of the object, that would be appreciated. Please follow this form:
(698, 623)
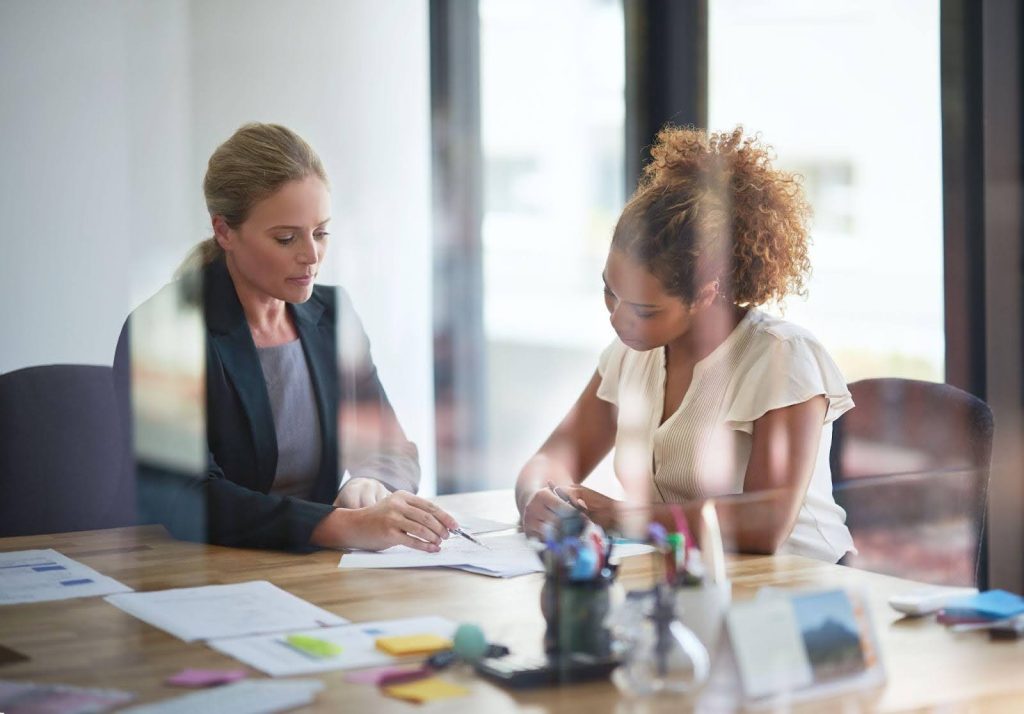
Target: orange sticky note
(425, 690)
(400, 645)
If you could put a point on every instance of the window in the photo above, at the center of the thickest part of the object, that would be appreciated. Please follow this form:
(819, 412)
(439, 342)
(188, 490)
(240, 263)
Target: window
(552, 115)
(848, 93)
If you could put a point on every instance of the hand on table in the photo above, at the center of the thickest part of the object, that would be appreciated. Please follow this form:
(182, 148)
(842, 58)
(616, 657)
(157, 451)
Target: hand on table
(544, 509)
(400, 518)
(600, 508)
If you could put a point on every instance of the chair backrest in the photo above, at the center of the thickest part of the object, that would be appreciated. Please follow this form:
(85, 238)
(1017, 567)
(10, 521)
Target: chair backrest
(64, 452)
(910, 464)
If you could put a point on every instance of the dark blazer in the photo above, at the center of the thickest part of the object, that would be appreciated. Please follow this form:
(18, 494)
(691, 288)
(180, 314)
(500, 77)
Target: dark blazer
(230, 504)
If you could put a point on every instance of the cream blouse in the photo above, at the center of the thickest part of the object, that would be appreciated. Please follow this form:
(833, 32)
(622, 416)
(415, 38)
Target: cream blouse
(703, 448)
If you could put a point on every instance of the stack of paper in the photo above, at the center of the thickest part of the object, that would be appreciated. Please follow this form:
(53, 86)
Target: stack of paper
(500, 556)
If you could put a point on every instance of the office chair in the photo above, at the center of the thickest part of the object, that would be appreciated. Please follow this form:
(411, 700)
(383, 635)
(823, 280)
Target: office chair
(64, 452)
(910, 464)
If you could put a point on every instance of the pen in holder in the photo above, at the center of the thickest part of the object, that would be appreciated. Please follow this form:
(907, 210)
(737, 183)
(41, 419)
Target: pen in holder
(577, 594)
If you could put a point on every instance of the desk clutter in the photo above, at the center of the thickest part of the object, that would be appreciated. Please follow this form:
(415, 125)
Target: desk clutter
(999, 612)
(681, 637)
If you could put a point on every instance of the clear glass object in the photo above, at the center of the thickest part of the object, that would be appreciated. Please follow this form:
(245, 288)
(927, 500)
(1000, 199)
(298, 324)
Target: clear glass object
(658, 652)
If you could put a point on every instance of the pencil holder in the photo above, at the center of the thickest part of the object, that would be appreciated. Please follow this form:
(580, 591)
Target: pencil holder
(702, 608)
(575, 614)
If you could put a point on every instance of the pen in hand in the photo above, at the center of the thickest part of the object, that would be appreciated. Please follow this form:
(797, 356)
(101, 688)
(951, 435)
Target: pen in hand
(568, 499)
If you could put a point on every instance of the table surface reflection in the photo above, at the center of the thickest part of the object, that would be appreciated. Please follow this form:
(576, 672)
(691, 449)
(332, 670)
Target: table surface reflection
(88, 642)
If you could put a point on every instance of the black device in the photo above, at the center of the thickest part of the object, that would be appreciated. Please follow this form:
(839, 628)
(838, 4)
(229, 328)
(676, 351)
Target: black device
(520, 672)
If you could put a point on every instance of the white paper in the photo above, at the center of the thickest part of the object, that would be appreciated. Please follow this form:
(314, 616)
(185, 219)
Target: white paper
(272, 655)
(475, 525)
(224, 610)
(239, 698)
(509, 554)
(767, 646)
(43, 575)
(506, 571)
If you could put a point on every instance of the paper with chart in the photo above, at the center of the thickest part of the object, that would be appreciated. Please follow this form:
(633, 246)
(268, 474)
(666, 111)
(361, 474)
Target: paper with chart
(273, 655)
(504, 556)
(43, 575)
(235, 610)
(239, 698)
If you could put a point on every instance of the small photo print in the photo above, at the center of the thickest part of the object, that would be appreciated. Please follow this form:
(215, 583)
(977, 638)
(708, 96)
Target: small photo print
(831, 634)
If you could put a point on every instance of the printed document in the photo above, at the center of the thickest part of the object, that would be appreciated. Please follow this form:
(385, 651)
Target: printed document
(504, 556)
(224, 610)
(42, 575)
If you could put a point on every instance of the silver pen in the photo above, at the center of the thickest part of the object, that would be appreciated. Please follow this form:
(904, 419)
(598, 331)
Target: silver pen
(467, 536)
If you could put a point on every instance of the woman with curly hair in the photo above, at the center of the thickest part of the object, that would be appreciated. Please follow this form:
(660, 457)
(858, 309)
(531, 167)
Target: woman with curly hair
(703, 395)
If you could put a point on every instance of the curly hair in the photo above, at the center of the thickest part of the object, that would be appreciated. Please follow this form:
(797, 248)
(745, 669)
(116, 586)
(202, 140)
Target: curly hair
(711, 207)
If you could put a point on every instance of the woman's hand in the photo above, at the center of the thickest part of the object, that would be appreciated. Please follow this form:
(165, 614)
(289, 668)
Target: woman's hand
(600, 509)
(361, 493)
(400, 518)
(544, 510)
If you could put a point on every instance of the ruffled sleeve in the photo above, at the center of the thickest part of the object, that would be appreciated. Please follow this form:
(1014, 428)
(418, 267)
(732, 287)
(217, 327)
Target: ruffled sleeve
(787, 372)
(609, 366)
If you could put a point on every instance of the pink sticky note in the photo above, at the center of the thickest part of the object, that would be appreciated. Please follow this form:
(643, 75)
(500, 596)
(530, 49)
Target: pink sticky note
(389, 674)
(206, 677)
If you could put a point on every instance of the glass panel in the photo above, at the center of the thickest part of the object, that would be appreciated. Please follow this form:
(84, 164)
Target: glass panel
(848, 93)
(553, 162)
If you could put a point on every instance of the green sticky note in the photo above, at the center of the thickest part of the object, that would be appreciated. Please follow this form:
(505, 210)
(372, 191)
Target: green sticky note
(313, 646)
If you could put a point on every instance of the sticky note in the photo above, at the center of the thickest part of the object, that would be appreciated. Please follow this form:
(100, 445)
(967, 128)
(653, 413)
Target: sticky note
(399, 645)
(205, 677)
(425, 690)
(313, 646)
(991, 604)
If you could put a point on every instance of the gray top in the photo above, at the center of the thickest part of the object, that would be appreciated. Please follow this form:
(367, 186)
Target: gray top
(296, 420)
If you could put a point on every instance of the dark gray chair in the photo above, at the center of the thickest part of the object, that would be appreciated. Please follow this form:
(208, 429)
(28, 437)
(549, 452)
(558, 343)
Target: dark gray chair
(64, 452)
(910, 464)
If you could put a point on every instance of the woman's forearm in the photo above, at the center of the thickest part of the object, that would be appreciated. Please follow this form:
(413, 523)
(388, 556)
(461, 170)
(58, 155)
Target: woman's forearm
(540, 470)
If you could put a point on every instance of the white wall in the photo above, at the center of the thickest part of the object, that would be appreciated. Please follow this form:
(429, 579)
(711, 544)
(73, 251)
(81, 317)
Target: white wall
(64, 181)
(109, 112)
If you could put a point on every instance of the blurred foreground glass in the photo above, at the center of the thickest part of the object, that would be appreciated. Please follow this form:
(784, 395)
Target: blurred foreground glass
(168, 396)
(926, 526)
(552, 116)
(863, 127)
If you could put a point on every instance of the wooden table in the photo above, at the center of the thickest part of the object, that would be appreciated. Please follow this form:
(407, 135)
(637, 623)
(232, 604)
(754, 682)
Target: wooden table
(88, 642)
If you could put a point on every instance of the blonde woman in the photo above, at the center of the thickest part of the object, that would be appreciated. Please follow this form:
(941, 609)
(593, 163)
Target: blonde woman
(274, 384)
